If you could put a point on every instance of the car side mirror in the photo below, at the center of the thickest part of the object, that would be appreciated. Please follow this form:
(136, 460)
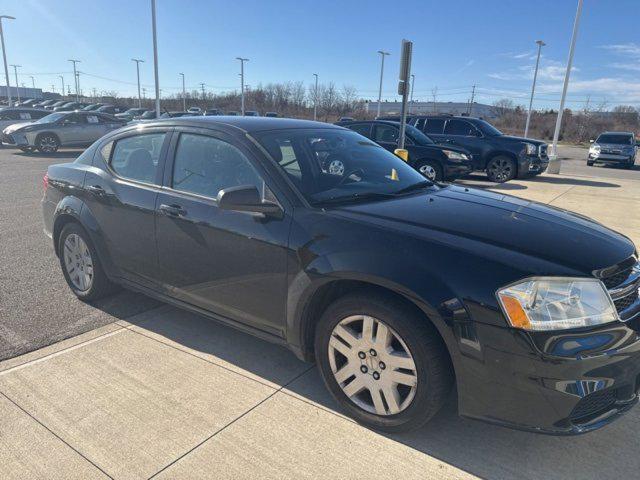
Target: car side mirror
(591, 141)
(246, 198)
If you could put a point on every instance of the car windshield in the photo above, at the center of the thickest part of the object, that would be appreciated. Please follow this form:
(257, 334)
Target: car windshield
(619, 139)
(149, 114)
(51, 118)
(488, 129)
(335, 166)
(417, 136)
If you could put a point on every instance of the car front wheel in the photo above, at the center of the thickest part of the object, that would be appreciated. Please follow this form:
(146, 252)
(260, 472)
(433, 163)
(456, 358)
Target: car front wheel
(430, 170)
(47, 143)
(80, 264)
(501, 169)
(384, 363)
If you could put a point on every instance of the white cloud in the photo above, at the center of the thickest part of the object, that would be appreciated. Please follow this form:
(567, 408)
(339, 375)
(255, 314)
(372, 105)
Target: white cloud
(628, 51)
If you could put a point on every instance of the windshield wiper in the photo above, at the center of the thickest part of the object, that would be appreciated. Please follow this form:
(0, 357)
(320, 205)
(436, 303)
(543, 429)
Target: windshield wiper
(355, 198)
(413, 187)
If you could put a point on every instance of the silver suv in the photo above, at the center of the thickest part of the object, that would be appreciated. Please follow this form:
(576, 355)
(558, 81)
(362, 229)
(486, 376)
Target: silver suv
(618, 148)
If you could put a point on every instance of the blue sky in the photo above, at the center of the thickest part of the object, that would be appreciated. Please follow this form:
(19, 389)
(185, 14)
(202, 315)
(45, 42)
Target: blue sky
(457, 43)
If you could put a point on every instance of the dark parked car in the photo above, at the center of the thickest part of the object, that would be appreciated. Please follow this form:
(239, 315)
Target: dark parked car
(53, 105)
(69, 107)
(251, 113)
(397, 287)
(110, 109)
(44, 103)
(433, 161)
(131, 113)
(213, 112)
(92, 106)
(614, 148)
(503, 157)
(271, 114)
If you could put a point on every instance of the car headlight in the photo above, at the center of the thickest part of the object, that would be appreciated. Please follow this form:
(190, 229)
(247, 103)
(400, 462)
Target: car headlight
(594, 149)
(451, 155)
(531, 149)
(557, 303)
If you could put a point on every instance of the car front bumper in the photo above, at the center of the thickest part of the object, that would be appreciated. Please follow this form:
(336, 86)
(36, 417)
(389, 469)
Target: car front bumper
(611, 158)
(561, 383)
(15, 139)
(457, 170)
(532, 165)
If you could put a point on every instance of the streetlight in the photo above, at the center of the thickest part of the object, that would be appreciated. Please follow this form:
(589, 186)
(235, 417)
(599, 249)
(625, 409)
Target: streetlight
(4, 57)
(242, 60)
(533, 87)
(62, 81)
(155, 56)
(184, 95)
(137, 60)
(382, 55)
(413, 82)
(33, 82)
(15, 71)
(75, 75)
(554, 163)
(315, 99)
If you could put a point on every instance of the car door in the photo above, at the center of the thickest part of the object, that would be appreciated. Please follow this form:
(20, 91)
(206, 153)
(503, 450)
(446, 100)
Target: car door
(72, 129)
(94, 129)
(464, 134)
(120, 192)
(230, 263)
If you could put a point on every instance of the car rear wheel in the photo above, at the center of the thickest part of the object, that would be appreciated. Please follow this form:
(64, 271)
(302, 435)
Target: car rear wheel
(501, 169)
(430, 170)
(47, 143)
(80, 264)
(383, 363)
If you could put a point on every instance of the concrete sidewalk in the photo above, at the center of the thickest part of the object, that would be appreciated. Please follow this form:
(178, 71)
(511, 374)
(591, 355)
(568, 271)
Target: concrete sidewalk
(169, 394)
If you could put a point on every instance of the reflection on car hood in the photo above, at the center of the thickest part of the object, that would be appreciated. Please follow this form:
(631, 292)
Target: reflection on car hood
(15, 126)
(530, 228)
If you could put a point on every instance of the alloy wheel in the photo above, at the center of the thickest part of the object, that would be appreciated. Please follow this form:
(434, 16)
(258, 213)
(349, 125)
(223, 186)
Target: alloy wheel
(501, 169)
(48, 144)
(78, 262)
(428, 171)
(372, 365)
(336, 167)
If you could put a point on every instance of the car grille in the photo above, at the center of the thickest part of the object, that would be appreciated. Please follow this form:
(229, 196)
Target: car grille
(624, 302)
(592, 404)
(7, 138)
(616, 279)
(626, 281)
(542, 150)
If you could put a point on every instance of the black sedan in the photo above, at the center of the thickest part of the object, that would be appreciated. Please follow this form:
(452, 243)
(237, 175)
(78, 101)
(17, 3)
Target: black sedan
(433, 161)
(398, 287)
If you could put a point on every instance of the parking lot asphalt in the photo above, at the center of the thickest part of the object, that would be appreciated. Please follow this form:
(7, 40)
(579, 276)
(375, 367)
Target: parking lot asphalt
(36, 306)
(140, 389)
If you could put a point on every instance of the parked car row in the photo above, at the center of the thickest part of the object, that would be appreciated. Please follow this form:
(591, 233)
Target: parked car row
(401, 289)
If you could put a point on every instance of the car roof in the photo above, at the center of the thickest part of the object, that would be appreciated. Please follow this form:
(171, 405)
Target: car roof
(247, 124)
(379, 122)
(617, 133)
(24, 109)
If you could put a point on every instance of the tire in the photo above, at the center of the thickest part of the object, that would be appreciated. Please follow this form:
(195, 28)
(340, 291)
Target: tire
(430, 170)
(96, 284)
(414, 405)
(47, 143)
(589, 164)
(501, 169)
(27, 149)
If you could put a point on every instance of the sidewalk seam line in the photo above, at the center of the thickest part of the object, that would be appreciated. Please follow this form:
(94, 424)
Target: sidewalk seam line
(60, 352)
(195, 447)
(54, 434)
(557, 197)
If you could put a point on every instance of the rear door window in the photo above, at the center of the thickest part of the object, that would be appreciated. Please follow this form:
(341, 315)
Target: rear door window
(434, 126)
(386, 134)
(362, 129)
(137, 157)
(460, 127)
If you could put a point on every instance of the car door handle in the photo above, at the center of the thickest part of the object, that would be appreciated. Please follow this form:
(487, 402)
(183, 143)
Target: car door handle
(96, 190)
(173, 210)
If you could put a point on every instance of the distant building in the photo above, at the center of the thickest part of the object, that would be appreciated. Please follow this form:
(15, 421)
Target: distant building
(24, 92)
(431, 108)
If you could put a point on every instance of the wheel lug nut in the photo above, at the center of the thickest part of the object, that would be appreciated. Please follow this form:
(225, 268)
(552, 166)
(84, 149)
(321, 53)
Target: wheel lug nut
(376, 376)
(362, 355)
(372, 352)
(382, 366)
(364, 369)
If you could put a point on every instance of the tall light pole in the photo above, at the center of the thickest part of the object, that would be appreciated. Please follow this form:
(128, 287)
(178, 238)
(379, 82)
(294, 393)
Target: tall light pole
(138, 61)
(242, 60)
(78, 83)
(62, 81)
(382, 55)
(315, 99)
(75, 75)
(155, 56)
(15, 71)
(533, 87)
(33, 82)
(184, 95)
(413, 82)
(202, 88)
(554, 163)
(4, 57)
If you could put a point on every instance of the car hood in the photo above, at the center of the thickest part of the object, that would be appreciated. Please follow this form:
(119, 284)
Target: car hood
(16, 126)
(521, 139)
(614, 146)
(440, 147)
(548, 233)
